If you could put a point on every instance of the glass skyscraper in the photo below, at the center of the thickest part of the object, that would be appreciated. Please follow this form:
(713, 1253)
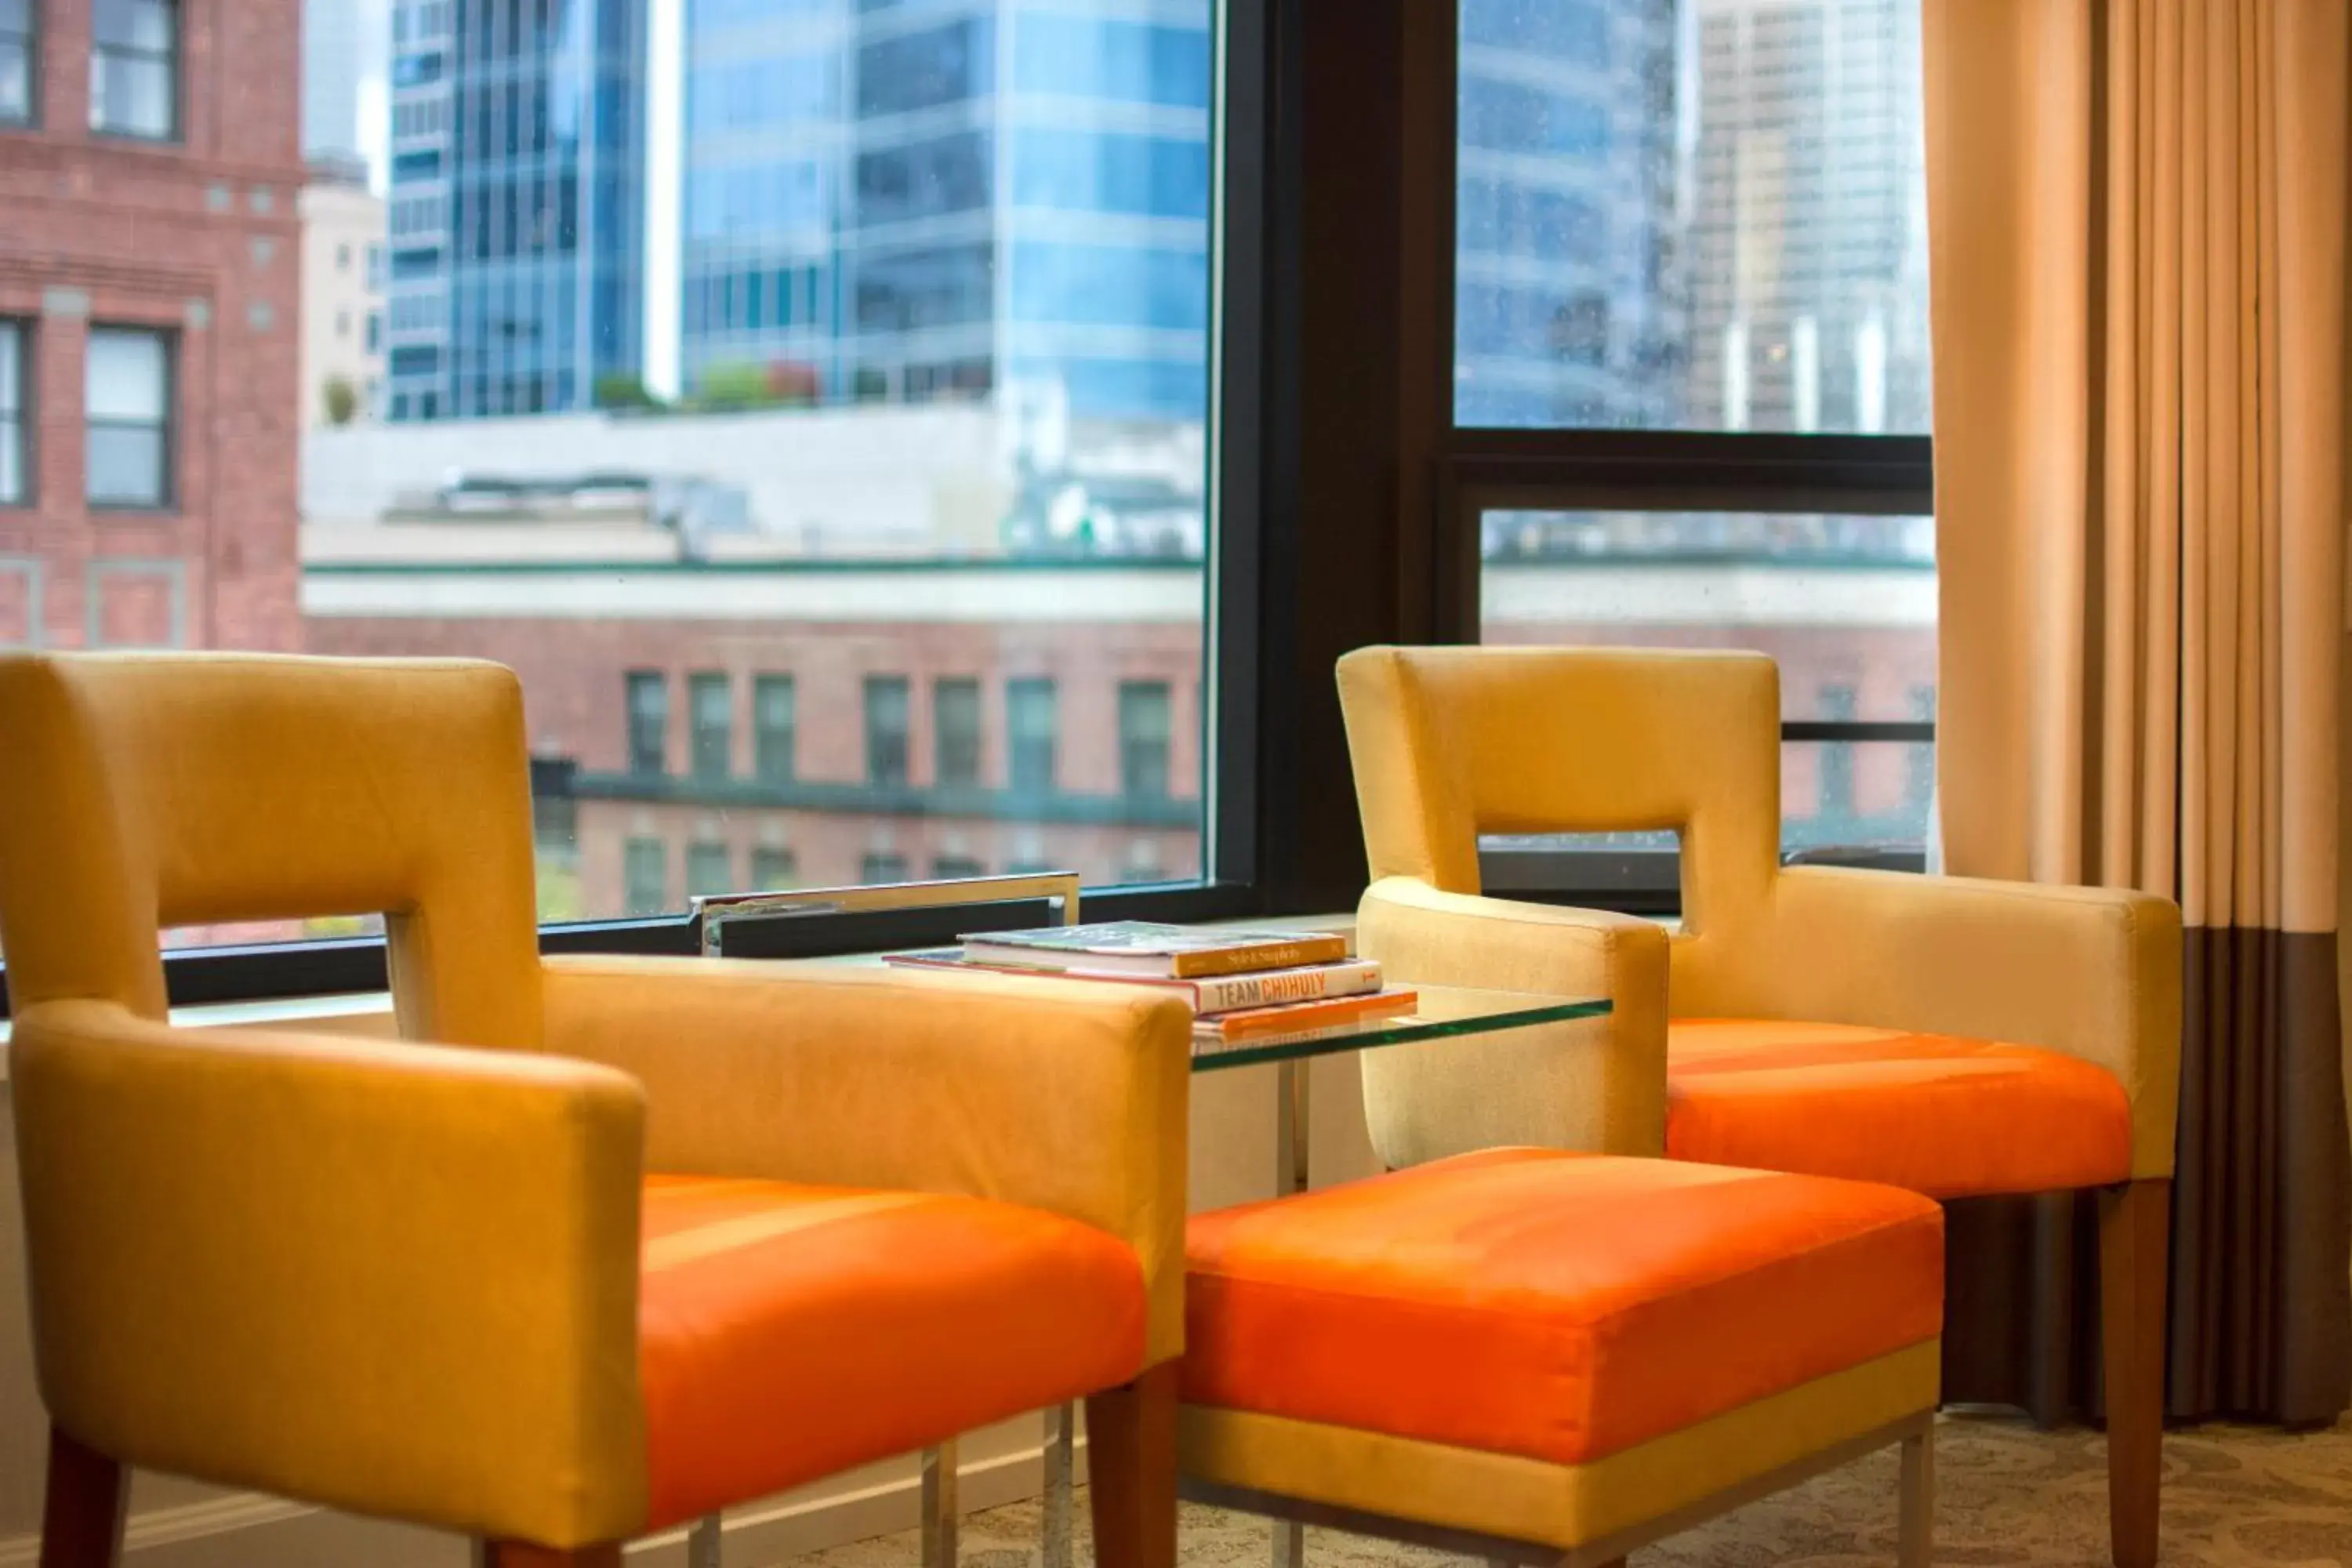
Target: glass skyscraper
(1570, 296)
(517, 206)
(903, 199)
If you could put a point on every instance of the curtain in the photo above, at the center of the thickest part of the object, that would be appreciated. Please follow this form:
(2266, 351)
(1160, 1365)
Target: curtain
(2136, 214)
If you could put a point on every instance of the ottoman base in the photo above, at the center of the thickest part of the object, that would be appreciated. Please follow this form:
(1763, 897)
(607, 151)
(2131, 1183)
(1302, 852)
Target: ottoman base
(1508, 1507)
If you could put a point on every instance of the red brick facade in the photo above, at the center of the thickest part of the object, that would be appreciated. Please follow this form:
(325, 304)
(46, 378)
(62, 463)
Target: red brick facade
(576, 674)
(198, 238)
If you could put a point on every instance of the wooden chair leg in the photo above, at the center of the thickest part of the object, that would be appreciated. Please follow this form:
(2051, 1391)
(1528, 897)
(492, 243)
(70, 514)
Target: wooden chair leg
(2134, 1224)
(1131, 1471)
(1916, 1522)
(81, 1519)
(522, 1554)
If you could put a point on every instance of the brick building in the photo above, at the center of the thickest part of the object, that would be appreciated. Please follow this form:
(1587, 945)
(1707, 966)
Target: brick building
(710, 727)
(706, 727)
(150, 253)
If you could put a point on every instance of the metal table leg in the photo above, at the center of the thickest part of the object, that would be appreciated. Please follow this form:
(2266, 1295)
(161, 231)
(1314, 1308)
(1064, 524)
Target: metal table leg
(940, 1518)
(1293, 1083)
(702, 1543)
(1061, 1456)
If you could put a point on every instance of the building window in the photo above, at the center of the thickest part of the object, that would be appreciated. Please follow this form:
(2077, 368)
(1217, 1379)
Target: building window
(773, 870)
(1029, 725)
(644, 871)
(954, 868)
(775, 718)
(128, 397)
(1837, 759)
(134, 67)
(19, 48)
(712, 696)
(955, 723)
(648, 722)
(342, 259)
(886, 732)
(14, 484)
(881, 866)
(1143, 728)
(708, 870)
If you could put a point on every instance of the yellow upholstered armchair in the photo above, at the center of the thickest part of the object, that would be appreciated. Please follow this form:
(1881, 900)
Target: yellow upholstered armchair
(1954, 1037)
(602, 1245)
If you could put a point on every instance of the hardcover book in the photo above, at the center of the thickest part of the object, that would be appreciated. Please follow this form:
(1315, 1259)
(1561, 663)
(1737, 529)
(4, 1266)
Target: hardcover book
(1207, 997)
(1143, 948)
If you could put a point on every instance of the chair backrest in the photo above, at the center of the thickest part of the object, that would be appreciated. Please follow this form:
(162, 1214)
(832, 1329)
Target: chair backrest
(1452, 742)
(143, 791)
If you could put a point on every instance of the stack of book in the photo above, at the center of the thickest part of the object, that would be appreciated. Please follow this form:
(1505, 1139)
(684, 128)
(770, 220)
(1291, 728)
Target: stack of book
(1244, 987)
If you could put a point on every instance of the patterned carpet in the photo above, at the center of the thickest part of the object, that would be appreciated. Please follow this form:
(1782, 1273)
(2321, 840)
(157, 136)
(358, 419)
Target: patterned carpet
(2007, 1495)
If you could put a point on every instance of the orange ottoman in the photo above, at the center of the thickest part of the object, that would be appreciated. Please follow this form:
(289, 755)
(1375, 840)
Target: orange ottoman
(1523, 1353)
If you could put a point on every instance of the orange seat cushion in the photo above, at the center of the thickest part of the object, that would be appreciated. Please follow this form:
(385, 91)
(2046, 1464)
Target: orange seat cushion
(1557, 1306)
(1950, 1117)
(787, 1333)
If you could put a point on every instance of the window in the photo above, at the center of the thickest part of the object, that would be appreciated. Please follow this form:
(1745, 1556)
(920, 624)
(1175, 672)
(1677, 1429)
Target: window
(646, 876)
(1143, 731)
(877, 867)
(1713, 221)
(886, 729)
(774, 717)
(19, 48)
(1029, 724)
(128, 399)
(955, 726)
(649, 691)
(708, 871)
(14, 484)
(773, 869)
(859, 468)
(712, 698)
(1692, 369)
(953, 868)
(134, 67)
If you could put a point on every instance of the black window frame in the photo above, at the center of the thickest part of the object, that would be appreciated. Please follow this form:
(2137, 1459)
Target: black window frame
(174, 61)
(29, 41)
(167, 457)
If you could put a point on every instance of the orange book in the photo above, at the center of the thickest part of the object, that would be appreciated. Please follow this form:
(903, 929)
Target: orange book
(1227, 1028)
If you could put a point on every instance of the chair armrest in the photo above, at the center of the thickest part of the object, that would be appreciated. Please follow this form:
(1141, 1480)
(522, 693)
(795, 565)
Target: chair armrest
(394, 1279)
(1057, 1095)
(1598, 1084)
(2094, 973)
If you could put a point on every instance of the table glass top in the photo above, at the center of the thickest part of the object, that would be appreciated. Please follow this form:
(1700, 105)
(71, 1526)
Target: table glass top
(1440, 1012)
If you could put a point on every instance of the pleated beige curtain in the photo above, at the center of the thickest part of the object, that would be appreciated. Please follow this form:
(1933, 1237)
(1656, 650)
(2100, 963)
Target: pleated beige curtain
(2137, 226)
